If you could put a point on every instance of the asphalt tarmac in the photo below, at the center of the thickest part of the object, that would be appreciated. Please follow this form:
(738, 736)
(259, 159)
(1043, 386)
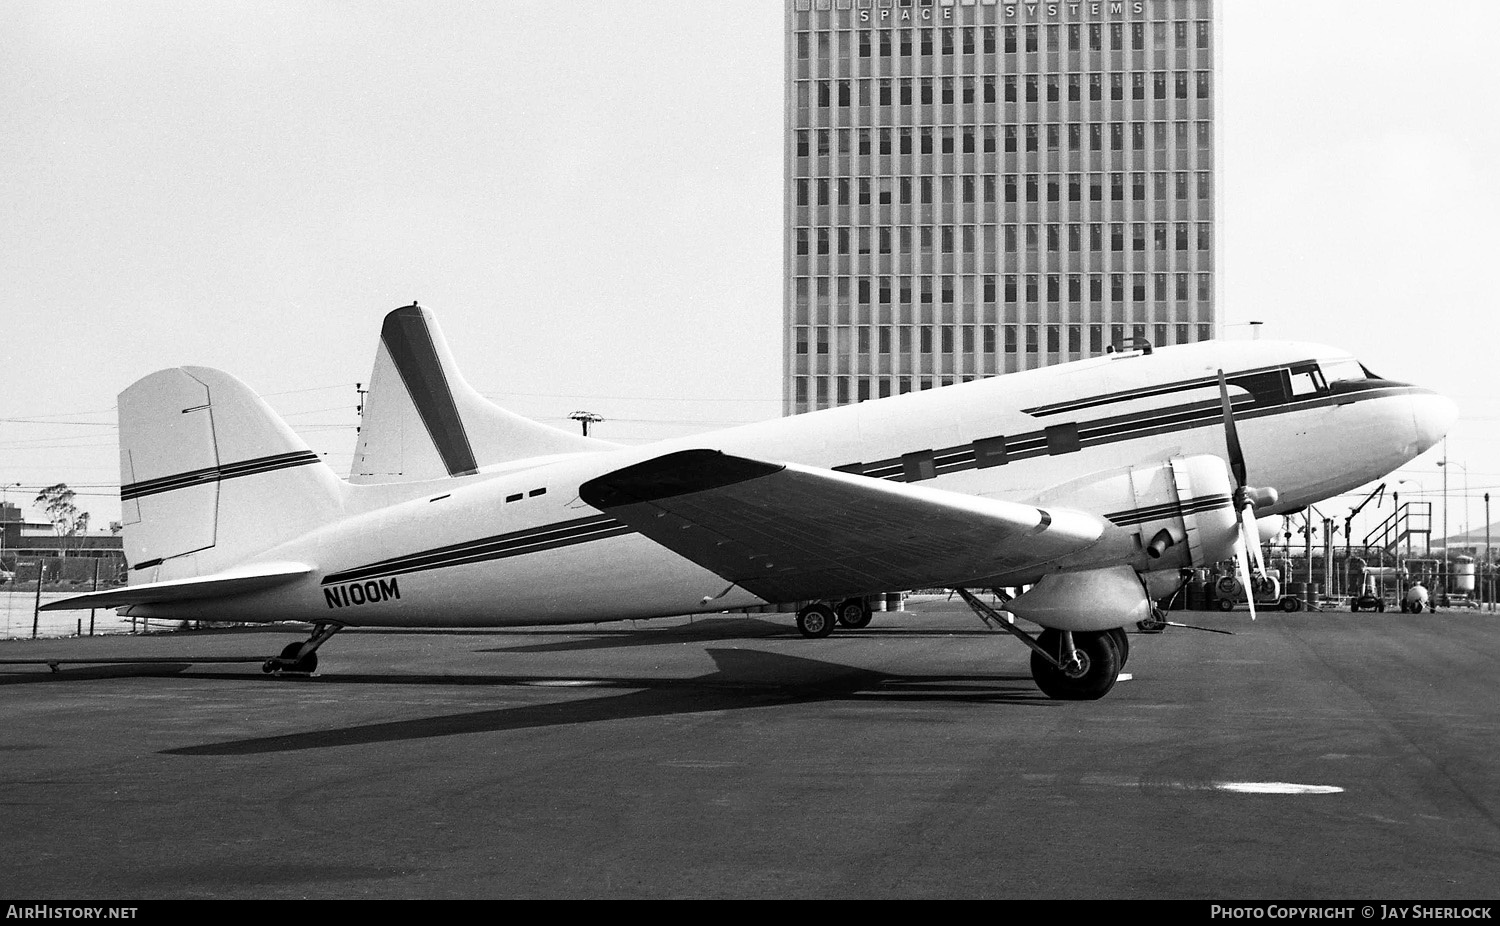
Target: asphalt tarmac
(1308, 756)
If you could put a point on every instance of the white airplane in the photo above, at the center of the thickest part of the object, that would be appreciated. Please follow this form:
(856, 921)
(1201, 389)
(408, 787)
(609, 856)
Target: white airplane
(1094, 485)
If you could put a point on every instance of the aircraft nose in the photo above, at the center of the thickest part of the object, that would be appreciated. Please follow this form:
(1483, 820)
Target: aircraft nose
(1432, 416)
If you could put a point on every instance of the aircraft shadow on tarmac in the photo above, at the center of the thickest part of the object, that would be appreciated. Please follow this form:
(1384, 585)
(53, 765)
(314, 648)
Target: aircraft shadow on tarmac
(698, 632)
(28, 675)
(744, 679)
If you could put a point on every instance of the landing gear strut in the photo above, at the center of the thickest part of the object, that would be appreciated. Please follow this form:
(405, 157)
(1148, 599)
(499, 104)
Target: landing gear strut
(1067, 665)
(301, 658)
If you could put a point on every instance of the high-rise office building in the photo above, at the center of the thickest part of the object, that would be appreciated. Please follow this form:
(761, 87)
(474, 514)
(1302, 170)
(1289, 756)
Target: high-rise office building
(978, 187)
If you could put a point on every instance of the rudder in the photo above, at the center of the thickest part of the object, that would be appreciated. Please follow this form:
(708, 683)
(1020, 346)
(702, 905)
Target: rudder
(210, 475)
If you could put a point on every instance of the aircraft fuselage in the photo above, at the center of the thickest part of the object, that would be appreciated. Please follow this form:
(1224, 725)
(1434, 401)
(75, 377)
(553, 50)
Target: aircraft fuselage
(488, 549)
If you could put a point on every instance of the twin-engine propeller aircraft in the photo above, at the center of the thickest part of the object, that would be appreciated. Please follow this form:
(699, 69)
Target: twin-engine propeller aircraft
(1093, 485)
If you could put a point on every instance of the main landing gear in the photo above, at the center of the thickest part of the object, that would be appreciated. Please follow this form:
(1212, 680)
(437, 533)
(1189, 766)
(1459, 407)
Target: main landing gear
(1087, 673)
(1067, 665)
(819, 618)
(301, 658)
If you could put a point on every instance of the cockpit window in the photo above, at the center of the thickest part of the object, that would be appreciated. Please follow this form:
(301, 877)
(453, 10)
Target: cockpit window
(1307, 379)
(1344, 370)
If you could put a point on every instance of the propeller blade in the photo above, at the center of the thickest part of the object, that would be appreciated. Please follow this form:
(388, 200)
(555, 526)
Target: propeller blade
(1242, 558)
(1250, 537)
(1231, 435)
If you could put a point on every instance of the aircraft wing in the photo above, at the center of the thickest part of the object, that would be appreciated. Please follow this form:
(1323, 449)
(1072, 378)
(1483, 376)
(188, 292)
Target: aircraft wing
(787, 532)
(230, 582)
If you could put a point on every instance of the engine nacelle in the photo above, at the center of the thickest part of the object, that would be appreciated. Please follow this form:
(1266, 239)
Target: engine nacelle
(1086, 599)
(1165, 516)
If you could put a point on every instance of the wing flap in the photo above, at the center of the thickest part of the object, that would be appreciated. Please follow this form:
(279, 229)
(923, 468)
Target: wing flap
(235, 581)
(789, 532)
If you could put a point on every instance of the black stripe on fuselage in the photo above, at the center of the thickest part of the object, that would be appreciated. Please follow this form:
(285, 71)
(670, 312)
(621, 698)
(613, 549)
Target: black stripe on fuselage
(216, 473)
(409, 342)
(953, 459)
(1096, 433)
(499, 546)
(1169, 510)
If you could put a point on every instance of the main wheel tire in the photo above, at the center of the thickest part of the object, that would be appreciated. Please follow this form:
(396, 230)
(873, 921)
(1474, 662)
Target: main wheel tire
(1122, 643)
(816, 621)
(854, 613)
(1095, 674)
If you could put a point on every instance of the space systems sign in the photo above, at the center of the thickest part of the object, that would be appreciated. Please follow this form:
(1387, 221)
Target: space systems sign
(1092, 10)
(1011, 11)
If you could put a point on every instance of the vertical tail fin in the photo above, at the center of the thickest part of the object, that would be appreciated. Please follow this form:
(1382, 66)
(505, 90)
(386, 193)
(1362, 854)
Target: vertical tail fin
(423, 421)
(210, 475)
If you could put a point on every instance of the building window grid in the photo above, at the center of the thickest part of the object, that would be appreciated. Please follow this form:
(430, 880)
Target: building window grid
(1190, 84)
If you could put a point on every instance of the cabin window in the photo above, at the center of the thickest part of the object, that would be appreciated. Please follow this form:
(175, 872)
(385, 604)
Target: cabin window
(1063, 438)
(990, 452)
(918, 466)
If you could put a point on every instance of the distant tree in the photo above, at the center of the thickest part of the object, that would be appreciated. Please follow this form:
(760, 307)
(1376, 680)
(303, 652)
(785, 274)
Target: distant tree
(66, 519)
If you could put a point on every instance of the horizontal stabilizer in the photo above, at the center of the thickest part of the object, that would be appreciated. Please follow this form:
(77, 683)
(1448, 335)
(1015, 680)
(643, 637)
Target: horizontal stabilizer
(236, 581)
(787, 532)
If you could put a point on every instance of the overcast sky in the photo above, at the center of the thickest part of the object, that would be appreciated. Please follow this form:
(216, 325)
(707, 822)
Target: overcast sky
(588, 195)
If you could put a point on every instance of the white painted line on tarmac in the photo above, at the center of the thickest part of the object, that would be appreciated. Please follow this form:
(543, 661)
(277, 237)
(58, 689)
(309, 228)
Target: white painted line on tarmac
(1274, 787)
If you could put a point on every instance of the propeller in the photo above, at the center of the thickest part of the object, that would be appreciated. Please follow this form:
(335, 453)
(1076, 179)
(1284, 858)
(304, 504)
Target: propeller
(1247, 548)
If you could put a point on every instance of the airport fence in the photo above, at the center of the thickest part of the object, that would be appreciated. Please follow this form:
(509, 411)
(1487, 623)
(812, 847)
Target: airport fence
(31, 581)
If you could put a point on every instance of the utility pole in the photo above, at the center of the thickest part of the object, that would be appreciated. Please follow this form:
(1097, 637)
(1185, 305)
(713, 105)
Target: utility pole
(1444, 465)
(1328, 576)
(1307, 532)
(585, 419)
(359, 409)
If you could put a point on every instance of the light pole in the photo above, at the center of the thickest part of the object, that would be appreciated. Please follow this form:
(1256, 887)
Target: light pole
(1445, 464)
